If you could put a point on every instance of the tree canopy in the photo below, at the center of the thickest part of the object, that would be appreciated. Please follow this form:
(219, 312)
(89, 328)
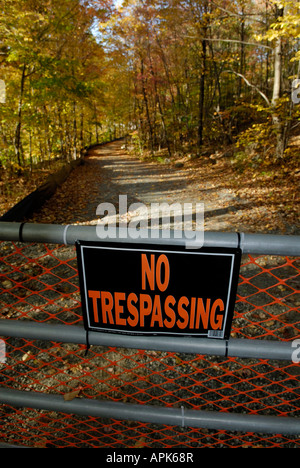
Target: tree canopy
(54, 73)
(177, 76)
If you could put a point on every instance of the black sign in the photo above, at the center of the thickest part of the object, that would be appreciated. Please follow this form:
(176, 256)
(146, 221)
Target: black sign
(158, 290)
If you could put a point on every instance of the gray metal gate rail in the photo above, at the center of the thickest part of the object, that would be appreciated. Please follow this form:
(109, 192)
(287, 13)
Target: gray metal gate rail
(242, 348)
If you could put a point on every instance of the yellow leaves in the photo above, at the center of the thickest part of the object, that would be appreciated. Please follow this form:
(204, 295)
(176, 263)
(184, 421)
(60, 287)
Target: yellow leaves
(287, 26)
(297, 56)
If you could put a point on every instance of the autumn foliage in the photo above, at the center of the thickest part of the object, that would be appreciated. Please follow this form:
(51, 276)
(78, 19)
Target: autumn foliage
(53, 69)
(180, 77)
(202, 72)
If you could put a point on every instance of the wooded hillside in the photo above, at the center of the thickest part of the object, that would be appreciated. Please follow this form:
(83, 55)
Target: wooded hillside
(181, 78)
(204, 71)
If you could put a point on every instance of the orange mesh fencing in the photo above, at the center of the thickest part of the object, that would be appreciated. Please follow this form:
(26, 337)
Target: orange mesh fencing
(40, 283)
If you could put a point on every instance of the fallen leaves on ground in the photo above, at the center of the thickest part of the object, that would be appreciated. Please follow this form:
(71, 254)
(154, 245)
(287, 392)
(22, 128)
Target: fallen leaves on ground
(261, 199)
(266, 200)
(13, 187)
(72, 201)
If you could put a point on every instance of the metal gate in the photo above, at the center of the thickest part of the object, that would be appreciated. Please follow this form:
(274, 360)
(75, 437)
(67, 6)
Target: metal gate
(133, 391)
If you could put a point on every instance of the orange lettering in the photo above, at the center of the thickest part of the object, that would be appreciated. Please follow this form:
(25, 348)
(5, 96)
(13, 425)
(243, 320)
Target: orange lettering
(107, 303)
(148, 271)
(202, 313)
(132, 310)
(119, 309)
(162, 259)
(145, 309)
(193, 310)
(183, 313)
(94, 295)
(217, 323)
(170, 312)
(156, 315)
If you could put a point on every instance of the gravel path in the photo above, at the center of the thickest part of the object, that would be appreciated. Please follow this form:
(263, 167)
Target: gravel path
(232, 201)
(109, 171)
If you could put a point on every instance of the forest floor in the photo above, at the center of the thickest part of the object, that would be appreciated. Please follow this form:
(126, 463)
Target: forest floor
(254, 200)
(14, 187)
(247, 201)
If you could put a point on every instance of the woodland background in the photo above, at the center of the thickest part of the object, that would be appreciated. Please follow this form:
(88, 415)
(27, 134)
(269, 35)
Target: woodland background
(193, 78)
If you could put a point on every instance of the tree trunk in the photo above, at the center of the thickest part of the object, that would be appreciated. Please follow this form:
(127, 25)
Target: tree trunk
(17, 142)
(147, 107)
(74, 131)
(204, 29)
(157, 99)
(201, 96)
(63, 151)
(277, 120)
(242, 53)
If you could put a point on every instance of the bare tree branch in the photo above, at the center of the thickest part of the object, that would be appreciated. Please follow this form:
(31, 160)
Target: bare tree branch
(255, 44)
(250, 85)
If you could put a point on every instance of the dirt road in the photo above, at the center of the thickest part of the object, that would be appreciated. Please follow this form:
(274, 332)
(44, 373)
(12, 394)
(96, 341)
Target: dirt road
(109, 171)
